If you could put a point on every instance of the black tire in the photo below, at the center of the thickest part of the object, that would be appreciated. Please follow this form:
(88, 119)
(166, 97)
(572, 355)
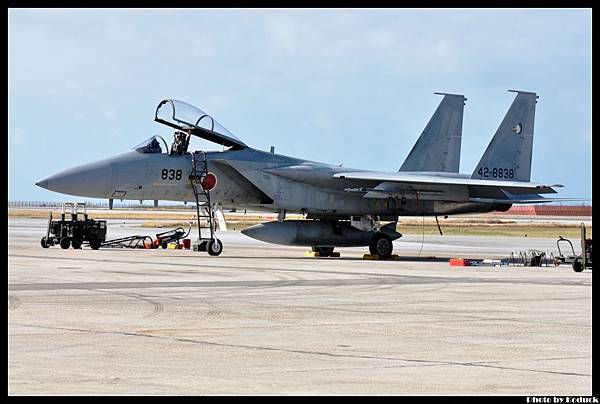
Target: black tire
(65, 243)
(381, 245)
(76, 244)
(44, 243)
(323, 251)
(577, 265)
(214, 247)
(95, 243)
(164, 245)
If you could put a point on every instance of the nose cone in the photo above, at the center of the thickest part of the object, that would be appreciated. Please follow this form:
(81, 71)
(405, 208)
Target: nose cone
(254, 231)
(89, 180)
(42, 184)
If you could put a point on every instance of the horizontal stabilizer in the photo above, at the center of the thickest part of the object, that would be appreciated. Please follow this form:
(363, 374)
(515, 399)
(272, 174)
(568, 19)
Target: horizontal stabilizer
(527, 199)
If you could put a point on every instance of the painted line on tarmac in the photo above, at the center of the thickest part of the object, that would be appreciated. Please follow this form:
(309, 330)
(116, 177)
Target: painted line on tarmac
(425, 362)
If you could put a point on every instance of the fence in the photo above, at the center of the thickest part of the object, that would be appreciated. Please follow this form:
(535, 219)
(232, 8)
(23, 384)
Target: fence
(549, 210)
(538, 210)
(95, 205)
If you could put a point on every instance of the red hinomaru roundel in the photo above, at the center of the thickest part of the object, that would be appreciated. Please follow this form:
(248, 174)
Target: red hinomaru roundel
(209, 181)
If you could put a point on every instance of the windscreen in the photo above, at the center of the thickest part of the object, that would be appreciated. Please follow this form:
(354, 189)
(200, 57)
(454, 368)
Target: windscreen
(151, 145)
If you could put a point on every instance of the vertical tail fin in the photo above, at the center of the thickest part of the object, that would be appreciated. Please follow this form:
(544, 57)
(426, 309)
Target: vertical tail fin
(508, 156)
(438, 147)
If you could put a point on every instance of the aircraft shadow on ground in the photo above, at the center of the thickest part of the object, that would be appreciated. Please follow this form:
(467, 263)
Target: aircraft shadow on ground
(399, 259)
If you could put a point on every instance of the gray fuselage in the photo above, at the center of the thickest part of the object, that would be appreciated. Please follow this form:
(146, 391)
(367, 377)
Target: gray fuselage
(252, 179)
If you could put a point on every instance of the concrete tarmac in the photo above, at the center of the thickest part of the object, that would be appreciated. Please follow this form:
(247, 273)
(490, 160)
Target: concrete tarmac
(265, 319)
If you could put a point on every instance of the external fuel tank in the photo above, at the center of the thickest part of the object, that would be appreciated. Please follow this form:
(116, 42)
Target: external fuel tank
(313, 233)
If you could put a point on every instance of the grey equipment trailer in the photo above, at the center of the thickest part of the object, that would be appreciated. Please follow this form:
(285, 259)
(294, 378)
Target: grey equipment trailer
(585, 259)
(74, 232)
(565, 259)
(578, 262)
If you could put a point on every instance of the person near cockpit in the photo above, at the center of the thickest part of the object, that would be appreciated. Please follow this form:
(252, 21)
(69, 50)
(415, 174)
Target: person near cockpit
(179, 146)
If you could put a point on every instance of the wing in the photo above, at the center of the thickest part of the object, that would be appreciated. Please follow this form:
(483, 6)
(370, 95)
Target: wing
(444, 187)
(441, 180)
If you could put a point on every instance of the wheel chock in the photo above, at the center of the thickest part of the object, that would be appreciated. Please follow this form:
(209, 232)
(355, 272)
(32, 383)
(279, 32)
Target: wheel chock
(316, 254)
(393, 257)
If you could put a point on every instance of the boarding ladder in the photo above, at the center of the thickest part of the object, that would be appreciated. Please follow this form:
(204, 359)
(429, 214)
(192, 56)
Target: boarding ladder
(197, 176)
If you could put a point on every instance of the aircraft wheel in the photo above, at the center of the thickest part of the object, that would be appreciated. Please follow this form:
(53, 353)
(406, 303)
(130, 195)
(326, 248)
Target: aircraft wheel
(95, 243)
(164, 244)
(323, 251)
(577, 265)
(44, 243)
(76, 244)
(381, 245)
(214, 247)
(65, 243)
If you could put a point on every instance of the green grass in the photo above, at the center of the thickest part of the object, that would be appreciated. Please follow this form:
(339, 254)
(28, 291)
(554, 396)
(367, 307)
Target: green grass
(472, 226)
(162, 224)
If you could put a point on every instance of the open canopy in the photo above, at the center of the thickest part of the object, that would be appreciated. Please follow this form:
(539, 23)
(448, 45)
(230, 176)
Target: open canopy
(183, 116)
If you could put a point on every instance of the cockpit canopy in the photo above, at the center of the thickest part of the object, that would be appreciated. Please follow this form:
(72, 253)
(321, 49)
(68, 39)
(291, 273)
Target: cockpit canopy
(185, 117)
(151, 145)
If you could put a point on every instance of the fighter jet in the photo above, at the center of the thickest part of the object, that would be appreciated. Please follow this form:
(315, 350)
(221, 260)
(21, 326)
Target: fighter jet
(343, 207)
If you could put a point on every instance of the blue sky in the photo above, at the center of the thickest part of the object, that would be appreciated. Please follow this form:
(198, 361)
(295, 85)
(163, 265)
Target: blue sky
(337, 86)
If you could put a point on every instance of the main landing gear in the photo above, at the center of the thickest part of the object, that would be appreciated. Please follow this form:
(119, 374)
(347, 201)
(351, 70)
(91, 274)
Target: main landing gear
(381, 245)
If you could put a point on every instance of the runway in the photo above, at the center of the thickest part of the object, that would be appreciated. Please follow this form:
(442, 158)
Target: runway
(264, 319)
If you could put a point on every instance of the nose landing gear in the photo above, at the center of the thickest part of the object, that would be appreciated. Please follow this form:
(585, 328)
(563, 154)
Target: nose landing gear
(214, 247)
